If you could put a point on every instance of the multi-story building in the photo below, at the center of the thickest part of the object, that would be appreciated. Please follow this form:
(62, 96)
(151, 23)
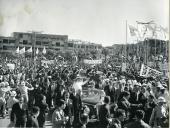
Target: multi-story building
(34, 40)
(84, 45)
(49, 41)
(145, 49)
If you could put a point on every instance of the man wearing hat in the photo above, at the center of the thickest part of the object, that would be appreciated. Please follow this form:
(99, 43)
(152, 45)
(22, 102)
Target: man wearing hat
(159, 116)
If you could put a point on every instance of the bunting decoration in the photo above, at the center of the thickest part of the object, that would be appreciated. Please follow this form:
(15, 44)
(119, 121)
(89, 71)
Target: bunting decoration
(29, 50)
(17, 51)
(44, 51)
(22, 51)
(133, 30)
(37, 51)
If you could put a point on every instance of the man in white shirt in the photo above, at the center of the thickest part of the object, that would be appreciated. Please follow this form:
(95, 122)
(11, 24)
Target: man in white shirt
(24, 90)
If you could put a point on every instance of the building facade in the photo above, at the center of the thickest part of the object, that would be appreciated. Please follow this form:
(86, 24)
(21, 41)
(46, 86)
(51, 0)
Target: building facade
(84, 45)
(49, 41)
(34, 40)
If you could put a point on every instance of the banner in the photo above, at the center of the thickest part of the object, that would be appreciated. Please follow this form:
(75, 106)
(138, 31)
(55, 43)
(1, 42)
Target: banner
(11, 66)
(46, 62)
(149, 72)
(124, 67)
(92, 61)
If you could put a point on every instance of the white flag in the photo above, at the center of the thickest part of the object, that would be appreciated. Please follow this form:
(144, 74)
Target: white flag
(22, 50)
(29, 50)
(44, 51)
(17, 51)
(37, 51)
(133, 30)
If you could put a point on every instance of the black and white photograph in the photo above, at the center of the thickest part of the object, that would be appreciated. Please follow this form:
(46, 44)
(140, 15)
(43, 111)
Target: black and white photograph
(84, 64)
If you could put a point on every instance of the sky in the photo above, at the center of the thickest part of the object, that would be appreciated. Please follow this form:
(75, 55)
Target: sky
(98, 21)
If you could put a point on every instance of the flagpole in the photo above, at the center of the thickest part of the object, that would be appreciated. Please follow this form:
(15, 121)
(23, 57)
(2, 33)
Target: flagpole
(126, 44)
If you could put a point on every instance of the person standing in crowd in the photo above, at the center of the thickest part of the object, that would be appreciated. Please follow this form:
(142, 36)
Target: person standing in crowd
(143, 97)
(77, 106)
(11, 101)
(69, 108)
(19, 113)
(104, 113)
(32, 121)
(127, 106)
(43, 109)
(4, 88)
(60, 93)
(84, 120)
(134, 95)
(159, 116)
(119, 90)
(24, 90)
(58, 118)
(149, 106)
(139, 123)
(110, 91)
(119, 119)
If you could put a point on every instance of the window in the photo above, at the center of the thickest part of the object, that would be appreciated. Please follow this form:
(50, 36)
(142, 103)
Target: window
(57, 49)
(30, 43)
(5, 48)
(11, 41)
(21, 35)
(25, 42)
(57, 43)
(82, 46)
(45, 43)
(20, 42)
(38, 43)
(5, 41)
(70, 44)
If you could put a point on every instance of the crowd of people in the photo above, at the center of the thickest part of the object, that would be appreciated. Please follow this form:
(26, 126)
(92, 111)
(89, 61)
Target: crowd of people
(30, 95)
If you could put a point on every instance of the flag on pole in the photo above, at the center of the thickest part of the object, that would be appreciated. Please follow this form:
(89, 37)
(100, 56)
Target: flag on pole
(164, 30)
(29, 50)
(44, 50)
(37, 51)
(22, 50)
(17, 51)
(153, 29)
(133, 30)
